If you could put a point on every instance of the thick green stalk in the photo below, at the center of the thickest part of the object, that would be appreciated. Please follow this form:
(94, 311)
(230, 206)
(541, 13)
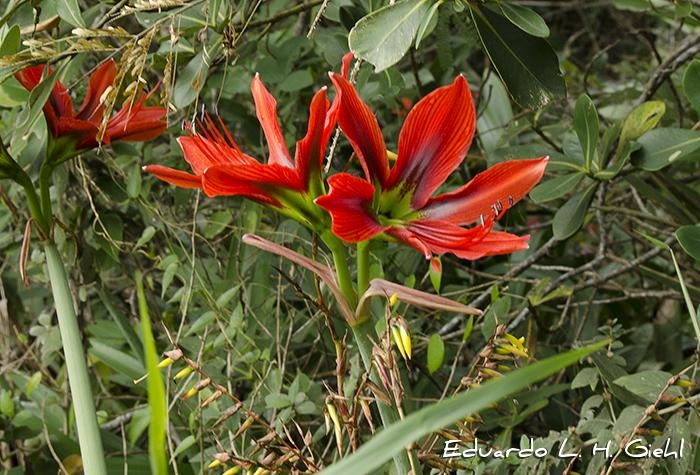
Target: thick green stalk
(388, 414)
(78, 376)
(341, 268)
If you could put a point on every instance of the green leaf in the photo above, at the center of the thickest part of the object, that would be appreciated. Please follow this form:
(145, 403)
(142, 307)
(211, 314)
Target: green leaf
(495, 114)
(297, 80)
(585, 377)
(569, 218)
(633, 5)
(157, 402)
(436, 353)
(69, 11)
(641, 120)
(621, 158)
(385, 444)
(627, 419)
(146, 236)
(691, 84)
(133, 182)
(586, 128)
(689, 239)
(32, 383)
(647, 384)
(526, 19)
(555, 187)
(429, 23)
(468, 328)
(217, 223)
(385, 35)
(11, 42)
(122, 322)
(528, 65)
(190, 81)
(116, 359)
(661, 147)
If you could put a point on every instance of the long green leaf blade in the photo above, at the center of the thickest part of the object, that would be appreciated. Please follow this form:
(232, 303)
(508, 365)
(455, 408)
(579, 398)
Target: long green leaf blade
(392, 440)
(156, 390)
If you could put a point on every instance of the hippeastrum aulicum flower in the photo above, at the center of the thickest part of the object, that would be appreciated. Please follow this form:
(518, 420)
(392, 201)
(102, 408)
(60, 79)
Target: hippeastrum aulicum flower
(79, 130)
(221, 168)
(397, 202)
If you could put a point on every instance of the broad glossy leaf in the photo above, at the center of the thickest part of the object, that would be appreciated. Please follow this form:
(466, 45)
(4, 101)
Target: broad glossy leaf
(526, 19)
(528, 65)
(556, 187)
(11, 42)
(586, 128)
(190, 81)
(691, 84)
(689, 238)
(385, 35)
(69, 11)
(569, 218)
(495, 113)
(661, 147)
(385, 444)
(641, 120)
(429, 23)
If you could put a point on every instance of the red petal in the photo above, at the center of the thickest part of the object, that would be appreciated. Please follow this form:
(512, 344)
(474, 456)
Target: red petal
(499, 186)
(266, 110)
(434, 140)
(345, 68)
(348, 203)
(84, 130)
(439, 237)
(309, 151)
(495, 243)
(202, 152)
(146, 124)
(255, 181)
(101, 79)
(59, 103)
(362, 130)
(175, 177)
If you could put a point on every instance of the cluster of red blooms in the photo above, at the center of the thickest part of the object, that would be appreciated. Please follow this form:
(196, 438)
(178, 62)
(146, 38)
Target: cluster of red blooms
(394, 202)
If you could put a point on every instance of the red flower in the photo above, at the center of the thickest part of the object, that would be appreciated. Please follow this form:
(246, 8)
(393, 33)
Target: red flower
(133, 122)
(397, 201)
(220, 168)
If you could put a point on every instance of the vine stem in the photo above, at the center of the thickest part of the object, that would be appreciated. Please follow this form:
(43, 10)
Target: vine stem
(78, 377)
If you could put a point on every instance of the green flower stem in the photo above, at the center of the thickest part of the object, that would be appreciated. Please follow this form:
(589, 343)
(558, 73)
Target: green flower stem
(78, 378)
(342, 271)
(388, 414)
(364, 327)
(362, 267)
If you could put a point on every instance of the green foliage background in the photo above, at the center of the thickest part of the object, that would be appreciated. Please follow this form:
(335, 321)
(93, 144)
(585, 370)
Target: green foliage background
(610, 91)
